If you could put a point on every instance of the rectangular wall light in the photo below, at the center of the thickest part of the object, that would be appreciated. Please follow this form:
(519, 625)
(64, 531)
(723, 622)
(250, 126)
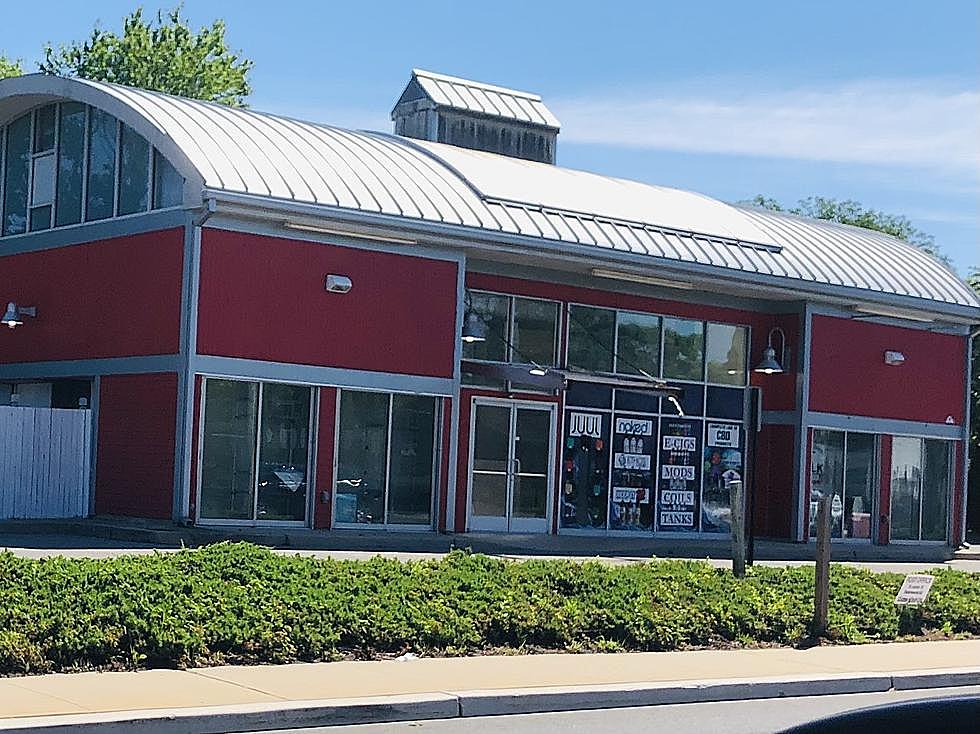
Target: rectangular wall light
(637, 278)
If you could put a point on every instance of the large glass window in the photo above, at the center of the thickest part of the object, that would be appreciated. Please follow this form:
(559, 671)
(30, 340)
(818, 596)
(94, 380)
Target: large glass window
(726, 353)
(228, 454)
(920, 488)
(591, 338)
(827, 477)
(413, 420)
(385, 459)
(535, 331)
(860, 461)
(17, 159)
(60, 153)
(134, 172)
(494, 312)
(284, 444)
(101, 165)
(638, 344)
(245, 419)
(71, 162)
(683, 349)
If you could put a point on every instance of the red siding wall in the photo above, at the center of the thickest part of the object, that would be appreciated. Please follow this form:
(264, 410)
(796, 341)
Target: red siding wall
(136, 441)
(111, 298)
(849, 374)
(264, 298)
(774, 481)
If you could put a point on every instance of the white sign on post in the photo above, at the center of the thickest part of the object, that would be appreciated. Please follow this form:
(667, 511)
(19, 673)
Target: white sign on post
(914, 589)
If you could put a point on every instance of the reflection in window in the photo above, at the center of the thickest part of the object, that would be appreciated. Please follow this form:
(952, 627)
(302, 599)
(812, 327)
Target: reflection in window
(134, 172)
(906, 486)
(368, 490)
(638, 344)
(168, 186)
(17, 160)
(71, 154)
(362, 457)
(75, 148)
(101, 165)
(493, 311)
(726, 352)
(284, 444)
(936, 477)
(535, 331)
(412, 449)
(683, 349)
(228, 453)
(859, 486)
(827, 477)
(591, 336)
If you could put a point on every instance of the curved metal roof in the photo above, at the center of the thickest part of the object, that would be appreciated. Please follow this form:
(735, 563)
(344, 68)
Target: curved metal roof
(222, 149)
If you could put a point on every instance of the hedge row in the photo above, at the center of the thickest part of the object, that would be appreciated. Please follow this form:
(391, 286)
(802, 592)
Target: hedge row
(237, 603)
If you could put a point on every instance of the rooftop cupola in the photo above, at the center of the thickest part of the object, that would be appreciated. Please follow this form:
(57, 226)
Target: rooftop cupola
(446, 109)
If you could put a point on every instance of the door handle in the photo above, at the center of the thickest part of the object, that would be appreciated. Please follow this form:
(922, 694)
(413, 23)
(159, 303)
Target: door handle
(517, 466)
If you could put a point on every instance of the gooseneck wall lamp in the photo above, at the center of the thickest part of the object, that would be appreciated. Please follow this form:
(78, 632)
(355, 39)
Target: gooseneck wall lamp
(769, 365)
(14, 315)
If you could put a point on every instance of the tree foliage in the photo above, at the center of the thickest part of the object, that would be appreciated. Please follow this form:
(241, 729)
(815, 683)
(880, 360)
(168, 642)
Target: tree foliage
(164, 55)
(852, 212)
(9, 67)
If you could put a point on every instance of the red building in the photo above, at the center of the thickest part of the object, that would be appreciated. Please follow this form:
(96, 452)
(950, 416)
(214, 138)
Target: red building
(280, 322)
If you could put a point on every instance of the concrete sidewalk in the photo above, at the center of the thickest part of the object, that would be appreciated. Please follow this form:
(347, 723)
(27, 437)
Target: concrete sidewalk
(243, 698)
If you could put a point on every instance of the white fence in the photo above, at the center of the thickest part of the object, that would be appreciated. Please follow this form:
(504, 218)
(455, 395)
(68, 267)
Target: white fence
(44, 462)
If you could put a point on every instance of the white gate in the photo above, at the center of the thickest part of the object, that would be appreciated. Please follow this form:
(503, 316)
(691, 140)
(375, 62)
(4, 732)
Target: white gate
(44, 462)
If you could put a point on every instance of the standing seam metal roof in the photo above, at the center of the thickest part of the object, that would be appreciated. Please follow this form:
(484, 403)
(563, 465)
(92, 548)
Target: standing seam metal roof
(224, 149)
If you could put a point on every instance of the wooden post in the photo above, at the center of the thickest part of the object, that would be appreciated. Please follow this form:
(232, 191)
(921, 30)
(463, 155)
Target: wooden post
(737, 497)
(821, 591)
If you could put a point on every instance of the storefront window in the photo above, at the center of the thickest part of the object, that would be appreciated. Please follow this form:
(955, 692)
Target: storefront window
(234, 430)
(284, 444)
(535, 331)
(385, 477)
(723, 468)
(585, 475)
(827, 478)
(591, 336)
(920, 488)
(493, 311)
(679, 481)
(859, 485)
(413, 420)
(726, 352)
(633, 470)
(638, 344)
(683, 349)
(228, 454)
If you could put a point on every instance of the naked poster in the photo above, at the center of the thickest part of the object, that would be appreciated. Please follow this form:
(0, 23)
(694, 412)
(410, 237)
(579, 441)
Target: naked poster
(679, 478)
(634, 459)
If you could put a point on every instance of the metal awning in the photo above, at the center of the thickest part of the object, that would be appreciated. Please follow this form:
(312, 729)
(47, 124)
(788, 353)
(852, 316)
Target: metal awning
(556, 378)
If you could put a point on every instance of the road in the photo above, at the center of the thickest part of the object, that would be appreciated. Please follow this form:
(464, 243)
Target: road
(74, 546)
(731, 717)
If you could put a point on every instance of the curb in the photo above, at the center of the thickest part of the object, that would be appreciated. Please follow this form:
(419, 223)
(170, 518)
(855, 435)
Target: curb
(465, 704)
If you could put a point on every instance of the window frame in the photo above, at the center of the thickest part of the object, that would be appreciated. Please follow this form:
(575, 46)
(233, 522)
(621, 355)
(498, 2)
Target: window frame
(950, 445)
(312, 429)
(55, 152)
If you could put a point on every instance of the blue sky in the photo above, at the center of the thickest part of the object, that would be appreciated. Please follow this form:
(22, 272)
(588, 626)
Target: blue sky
(877, 100)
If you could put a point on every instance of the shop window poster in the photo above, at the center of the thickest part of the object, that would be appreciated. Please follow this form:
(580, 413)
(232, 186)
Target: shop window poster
(634, 462)
(679, 476)
(585, 470)
(723, 464)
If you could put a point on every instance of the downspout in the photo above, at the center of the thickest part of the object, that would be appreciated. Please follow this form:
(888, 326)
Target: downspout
(966, 430)
(208, 208)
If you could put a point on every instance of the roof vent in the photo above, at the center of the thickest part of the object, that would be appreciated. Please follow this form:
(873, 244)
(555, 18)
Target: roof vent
(445, 109)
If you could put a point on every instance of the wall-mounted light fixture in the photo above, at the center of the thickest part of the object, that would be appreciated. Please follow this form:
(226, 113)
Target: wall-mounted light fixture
(14, 315)
(769, 365)
(894, 358)
(337, 284)
(474, 328)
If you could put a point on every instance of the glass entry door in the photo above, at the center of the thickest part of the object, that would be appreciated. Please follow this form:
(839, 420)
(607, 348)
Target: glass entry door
(511, 467)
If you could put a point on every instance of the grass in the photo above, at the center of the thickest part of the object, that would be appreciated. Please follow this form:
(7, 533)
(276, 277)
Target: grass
(236, 603)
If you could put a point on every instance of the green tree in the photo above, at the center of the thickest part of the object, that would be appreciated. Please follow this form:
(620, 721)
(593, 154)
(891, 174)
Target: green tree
(9, 68)
(852, 212)
(164, 55)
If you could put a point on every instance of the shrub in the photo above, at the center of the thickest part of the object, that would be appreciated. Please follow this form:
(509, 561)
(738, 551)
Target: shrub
(237, 603)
